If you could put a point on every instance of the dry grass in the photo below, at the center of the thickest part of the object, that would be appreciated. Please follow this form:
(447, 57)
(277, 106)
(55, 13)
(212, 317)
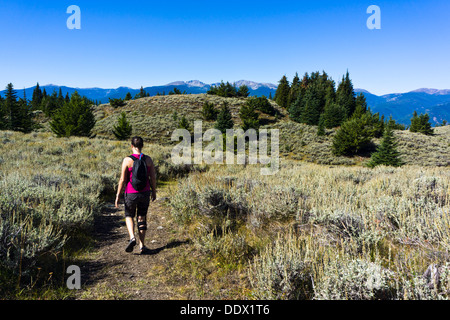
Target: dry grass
(50, 192)
(358, 233)
(425, 150)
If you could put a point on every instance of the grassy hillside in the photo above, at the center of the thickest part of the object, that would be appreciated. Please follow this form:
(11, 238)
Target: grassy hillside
(300, 142)
(153, 118)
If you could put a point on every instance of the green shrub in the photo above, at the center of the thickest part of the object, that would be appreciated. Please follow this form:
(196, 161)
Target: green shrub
(224, 119)
(209, 113)
(353, 136)
(183, 123)
(421, 124)
(116, 102)
(386, 153)
(228, 90)
(249, 118)
(262, 104)
(75, 118)
(123, 129)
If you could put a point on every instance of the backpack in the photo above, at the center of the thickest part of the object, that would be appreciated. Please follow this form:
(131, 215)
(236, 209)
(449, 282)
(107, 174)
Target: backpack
(140, 176)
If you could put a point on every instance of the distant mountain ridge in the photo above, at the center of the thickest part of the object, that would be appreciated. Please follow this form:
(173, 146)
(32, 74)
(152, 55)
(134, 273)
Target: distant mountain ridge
(401, 106)
(191, 87)
(433, 91)
(256, 88)
(435, 102)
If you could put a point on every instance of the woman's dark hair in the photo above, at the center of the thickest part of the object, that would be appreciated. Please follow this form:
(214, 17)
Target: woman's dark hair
(137, 142)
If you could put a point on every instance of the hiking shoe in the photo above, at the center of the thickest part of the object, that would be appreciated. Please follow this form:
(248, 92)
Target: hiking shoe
(145, 250)
(131, 245)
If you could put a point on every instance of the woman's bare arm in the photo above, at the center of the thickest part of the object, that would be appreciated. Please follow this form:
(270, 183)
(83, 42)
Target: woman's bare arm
(152, 172)
(121, 181)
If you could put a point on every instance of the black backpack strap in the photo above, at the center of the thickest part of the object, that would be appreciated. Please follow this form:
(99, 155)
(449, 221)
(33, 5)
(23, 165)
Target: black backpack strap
(133, 158)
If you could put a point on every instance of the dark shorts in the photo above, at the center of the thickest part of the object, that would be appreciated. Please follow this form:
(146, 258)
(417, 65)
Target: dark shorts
(137, 203)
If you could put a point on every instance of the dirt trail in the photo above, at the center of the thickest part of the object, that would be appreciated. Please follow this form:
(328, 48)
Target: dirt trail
(108, 272)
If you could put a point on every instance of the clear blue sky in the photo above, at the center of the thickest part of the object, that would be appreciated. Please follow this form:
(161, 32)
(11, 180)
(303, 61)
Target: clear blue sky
(134, 43)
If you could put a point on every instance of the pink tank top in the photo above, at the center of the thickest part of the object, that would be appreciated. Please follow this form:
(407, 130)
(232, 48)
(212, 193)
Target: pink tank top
(129, 188)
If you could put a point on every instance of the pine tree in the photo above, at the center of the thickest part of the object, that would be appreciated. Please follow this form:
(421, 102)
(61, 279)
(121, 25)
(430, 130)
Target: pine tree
(183, 124)
(359, 111)
(25, 96)
(321, 128)
(345, 95)
(294, 91)
(386, 153)
(361, 103)
(176, 92)
(333, 115)
(421, 124)
(377, 124)
(141, 94)
(415, 123)
(296, 109)
(15, 113)
(330, 95)
(243, 91)
(123, 129)
(128, 96)
(26, 117)
(425, 125)
(224, 119)
(12, 108)
(262, 104)
(75, 118)
(116, 103)
(354, 135)
(282, 93)
(304, 84)
(175, 115)
(37, 97)
(249, 117)
(60, 99)
(209, 113)
(393, 125)
(223, 90)
(313, 105)
(51, 104)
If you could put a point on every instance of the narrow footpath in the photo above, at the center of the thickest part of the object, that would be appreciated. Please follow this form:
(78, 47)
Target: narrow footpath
(109, 273)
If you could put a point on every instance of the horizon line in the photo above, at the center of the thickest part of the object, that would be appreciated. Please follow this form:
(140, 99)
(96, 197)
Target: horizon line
(422, 89)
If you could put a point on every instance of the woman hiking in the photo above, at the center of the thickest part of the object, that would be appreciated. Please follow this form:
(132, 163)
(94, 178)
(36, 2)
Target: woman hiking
(138, 191)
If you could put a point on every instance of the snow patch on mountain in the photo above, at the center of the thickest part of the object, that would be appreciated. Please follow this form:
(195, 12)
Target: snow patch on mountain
(433, 91)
